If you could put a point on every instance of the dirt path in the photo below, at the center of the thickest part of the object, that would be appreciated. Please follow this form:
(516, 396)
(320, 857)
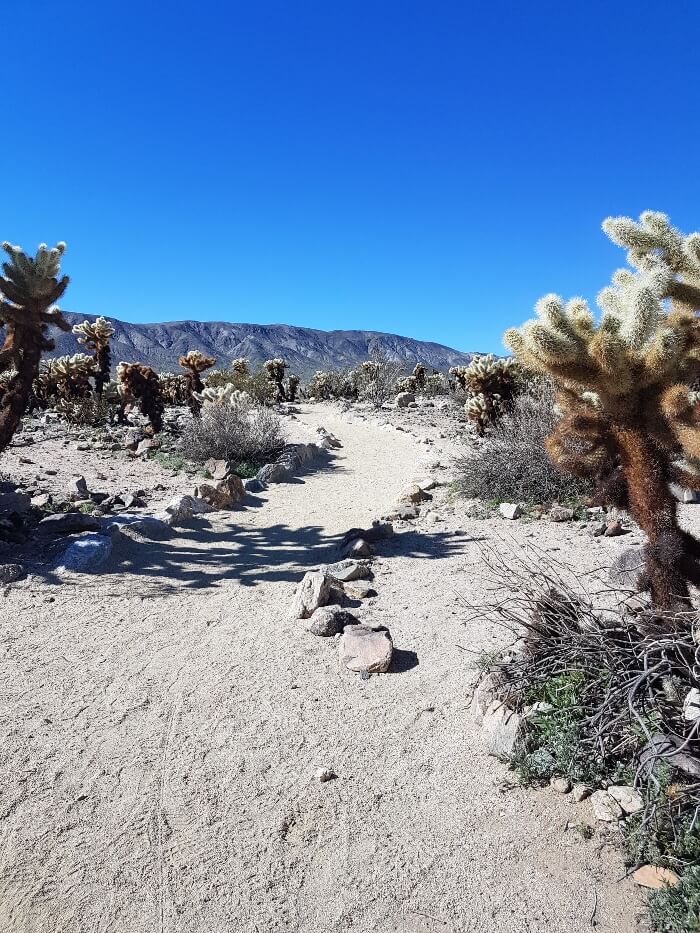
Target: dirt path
(161, 725)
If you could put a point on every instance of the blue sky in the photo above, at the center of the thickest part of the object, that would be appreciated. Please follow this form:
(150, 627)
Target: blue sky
(428, 169)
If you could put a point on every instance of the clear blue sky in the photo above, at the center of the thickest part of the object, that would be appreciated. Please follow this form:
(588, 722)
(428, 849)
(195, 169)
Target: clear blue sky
(425, 168)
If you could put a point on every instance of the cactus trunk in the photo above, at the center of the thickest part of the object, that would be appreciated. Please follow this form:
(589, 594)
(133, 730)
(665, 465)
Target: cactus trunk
(19, 390)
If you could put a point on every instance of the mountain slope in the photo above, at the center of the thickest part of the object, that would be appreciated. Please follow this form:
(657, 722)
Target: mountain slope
(306, 350)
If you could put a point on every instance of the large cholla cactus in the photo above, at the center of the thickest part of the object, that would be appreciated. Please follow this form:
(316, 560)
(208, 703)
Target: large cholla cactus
(275, 370)
(225, 395)
(490, 384)
(95, 336)
(241, 366)
(194, 363)
(627, 394)
(72, 374)
(173, 388)
(135, 381)
(29, 286)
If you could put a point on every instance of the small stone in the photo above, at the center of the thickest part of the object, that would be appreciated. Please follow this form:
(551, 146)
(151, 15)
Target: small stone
(275, 473)
(629, 799)
(652, 876)
(489, 689)
(581, 792)
(613, 529)
(357, 548)
(366, 649)
(691, 705)
(43, 499)
(605, 807)
(404, 399)
(510, 510)
(561, 785)
(9, 573)
(412, 495)
(325, 774)
(328, 621)
(346, 570)
(503, 729)
(560, 514)
(77, 489)
(313, 591)
(253, 485)
(359, 590)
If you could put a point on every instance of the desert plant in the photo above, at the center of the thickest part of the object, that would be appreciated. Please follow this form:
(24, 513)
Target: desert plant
(194, 363)
(275, 370)
(436, 384)
(256, 385)
(511, 463)
(71, 375)
(223, 395)
(377, 378)
(88, 411)
(135, 381)
(173, 388)
(236, 430)
(95, 336)
(627, 391)
(240, 366)
(333, 384)
(490, 385)
(29, 287)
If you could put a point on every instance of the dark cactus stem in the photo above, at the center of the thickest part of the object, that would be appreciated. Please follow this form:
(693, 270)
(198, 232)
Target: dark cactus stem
(14, 401)
(103, 358)
(194, 384)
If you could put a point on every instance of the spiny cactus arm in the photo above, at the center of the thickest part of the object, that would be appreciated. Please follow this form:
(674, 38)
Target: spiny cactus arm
(681, 409)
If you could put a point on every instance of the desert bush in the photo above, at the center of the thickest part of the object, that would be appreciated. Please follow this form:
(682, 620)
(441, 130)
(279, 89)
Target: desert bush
(511, 462)
(628, 391)
(377, 378)
(89, 411)
(333, 384)
(436, 384)
(243, 433)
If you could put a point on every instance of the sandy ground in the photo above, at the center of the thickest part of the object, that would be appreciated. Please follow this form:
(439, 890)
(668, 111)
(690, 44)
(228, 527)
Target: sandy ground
(161, 724)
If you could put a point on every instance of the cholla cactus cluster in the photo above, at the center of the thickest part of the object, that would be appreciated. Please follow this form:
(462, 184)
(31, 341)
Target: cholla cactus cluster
(30, 286)
(194, 363)
(136, 382)
(95, 336)
(173, 388)
(630, 410)
(490, 386)
(226, 395)
(414, 383)
(275, 370)
(240, 366)
(72, 374)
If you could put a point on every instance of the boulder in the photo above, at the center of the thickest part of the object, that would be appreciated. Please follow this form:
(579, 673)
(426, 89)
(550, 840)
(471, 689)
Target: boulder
(503, 730)
(77, 489)
(275, 473)
(68, 523)
(366, 650)
(312, 592)
(510, 510)
(182, 508)
(327, 621)
(605, 807)
(346, 570)
(224, 494)
(404, 399)
(86, 553)
(413, 494)
(629, 799)
(253, 485)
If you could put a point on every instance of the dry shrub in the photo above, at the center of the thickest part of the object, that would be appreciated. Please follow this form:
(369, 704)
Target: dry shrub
(243, 433)
(511, 464)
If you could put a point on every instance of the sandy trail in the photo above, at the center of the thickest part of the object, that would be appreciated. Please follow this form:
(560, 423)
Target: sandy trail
(161, 724)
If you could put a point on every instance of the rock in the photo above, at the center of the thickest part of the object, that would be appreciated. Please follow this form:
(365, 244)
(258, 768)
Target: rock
(42, 500)
(404, 399)
(510, 510)
(148, 443)
(312, 592)
(325, 774)
(411, 495)
(275, 473)
(181, 509)
(346, 570)
(12, 501)
(148, 526)
(218, 469)
(225, 494)
(77, 489)
(327, 621)
(253, 485)
(403, 513)
(581, 792)
(628, 798)
(605, 807)
(357, 547)
(503, 730)
(68, 523)
(560, 514)
(426, 483)
(359, 590)
(132, 502)
(613, 529)
(364, 649)
(626, 568)
(488, 690)
(595, 510)
(9, 573)
(652, 876)
(561, 785)
(86, 553)
(691, 705)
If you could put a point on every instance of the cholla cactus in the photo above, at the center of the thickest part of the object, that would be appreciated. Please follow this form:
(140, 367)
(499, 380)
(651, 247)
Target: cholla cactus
(225, 395)
(72, 374)
(292, 387)
(420, 374)
(490, 384)
(240, 366)
(483, 410)
(96, 336)
(195, 363)
(173, 388)
(320, 385)
(29, 286)
(407, 384)
(136, 381)
(275, 370)
(626, 390)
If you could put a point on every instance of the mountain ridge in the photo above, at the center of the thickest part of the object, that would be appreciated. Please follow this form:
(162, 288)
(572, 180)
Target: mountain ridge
(306, 349)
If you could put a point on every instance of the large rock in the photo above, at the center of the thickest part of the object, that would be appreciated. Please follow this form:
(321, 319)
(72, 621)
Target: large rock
(346, 570)
(312, 592)
(327, 621)
(275, 473)
(510, 510)
(86, 554)
(503, 730)
(77, 489)
(413, 494)
(605, 807)
(224, 494)
(69, 523)
(218, 469)
(367, 650)
(404, 399)
(488, 690)
(181, 509)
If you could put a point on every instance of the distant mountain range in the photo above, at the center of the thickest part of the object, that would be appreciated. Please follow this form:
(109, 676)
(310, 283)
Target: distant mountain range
(306, 350)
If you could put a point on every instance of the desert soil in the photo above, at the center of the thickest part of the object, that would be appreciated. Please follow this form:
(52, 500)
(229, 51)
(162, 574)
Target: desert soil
(162, 722)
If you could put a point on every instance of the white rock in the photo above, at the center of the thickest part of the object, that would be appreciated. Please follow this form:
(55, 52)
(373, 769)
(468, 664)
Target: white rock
(488, 689)
(561, 785)
(691, 705)
(364, 649)
(503, 729)
(581, 792)
(510, 510)
(312, 592)
(628, 798)
(605, 807)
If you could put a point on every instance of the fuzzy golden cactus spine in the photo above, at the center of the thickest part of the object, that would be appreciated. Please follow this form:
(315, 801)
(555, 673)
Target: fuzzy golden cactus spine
(195, 363)
(72, 375)
(95, 336)
(629, 410)
(137, 382)
(30, 286)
